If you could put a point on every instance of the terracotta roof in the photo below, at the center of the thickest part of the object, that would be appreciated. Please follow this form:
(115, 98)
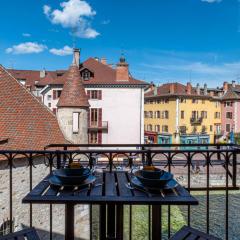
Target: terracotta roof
(174, 89)
(24, 121)
(32, 77)
(231, 95)
(102, 75)
(73, 93)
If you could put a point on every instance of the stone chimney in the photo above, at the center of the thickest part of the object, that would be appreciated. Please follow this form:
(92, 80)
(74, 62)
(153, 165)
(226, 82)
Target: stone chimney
(155, 90)
(76, 56)
(122, 73)
(171, 88)
(233, 84)
(104, 61)
(205, 89)
(189, 88)
(198, 89)
(43, 73)
(225, 86)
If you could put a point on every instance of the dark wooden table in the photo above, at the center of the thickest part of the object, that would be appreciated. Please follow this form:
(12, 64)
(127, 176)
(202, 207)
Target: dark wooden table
(111, 193)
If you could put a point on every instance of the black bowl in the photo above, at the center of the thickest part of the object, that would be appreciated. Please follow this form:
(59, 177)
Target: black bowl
(154, 182)
(72, 176)
(153, 174)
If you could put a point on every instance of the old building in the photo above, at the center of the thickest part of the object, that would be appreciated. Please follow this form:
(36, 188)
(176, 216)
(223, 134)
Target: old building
(175, 113)
(116, 99)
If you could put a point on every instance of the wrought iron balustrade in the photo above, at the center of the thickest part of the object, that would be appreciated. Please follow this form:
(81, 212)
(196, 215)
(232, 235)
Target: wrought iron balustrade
(187, 162)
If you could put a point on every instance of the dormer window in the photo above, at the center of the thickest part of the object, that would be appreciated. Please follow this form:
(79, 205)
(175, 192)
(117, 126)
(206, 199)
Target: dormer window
(86, 75)
(22, 81)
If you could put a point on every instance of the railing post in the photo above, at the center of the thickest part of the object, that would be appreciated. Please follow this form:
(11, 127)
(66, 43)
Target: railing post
(234, 169)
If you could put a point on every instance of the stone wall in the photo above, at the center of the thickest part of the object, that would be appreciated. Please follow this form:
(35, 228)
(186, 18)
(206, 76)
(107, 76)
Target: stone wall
(41, 213)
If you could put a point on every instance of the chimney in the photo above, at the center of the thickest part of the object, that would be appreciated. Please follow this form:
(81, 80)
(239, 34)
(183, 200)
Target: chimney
(198, 89)
(104, 61)
(122, 73)
(233, 84)
(205, 89)
(155, 90)
(172, 88)
(76, 56)
(43, 73)
(225, 86)
(189, 88)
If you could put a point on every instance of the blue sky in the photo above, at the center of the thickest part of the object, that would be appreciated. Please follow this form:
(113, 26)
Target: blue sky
(163, 40)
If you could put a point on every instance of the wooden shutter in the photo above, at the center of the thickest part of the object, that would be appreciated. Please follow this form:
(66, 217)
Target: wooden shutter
(100, 117)
(100, 94)
(100, 137)
(54, 94)
(55, 111)
(88, 94)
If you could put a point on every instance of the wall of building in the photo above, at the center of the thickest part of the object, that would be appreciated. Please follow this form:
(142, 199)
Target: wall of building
(65, 119)
(226, 120)
(122, 108)
(175, 106)
(210, 122)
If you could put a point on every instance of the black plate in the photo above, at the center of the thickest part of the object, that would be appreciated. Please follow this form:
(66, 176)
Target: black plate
(154, 183)
(138, 185)
(71, 176)
(58, 182)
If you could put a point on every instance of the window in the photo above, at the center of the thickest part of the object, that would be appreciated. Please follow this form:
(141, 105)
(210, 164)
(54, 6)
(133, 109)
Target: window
(182, 114)
(203, 114)
(75, 122)
(49, 97)
(228, 127)
(194, 101)
(158, 114)
(94, 94)
(145, 114)
(217, 115)
(217, 104)
(49, 105)
(166, 101)
(195, 114)
(59, 93)
(182, 100)
(229, 115)
(86, 75)
(150, 114)
(227, 104)
(165, 115)
(211, 128)
(151, 101)
(150, 127)
(93, 138)
(165, 128)
(94, 116)
(157, 128)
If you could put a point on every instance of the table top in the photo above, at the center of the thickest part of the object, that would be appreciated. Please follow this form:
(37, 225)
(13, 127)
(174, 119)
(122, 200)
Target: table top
(110, 187)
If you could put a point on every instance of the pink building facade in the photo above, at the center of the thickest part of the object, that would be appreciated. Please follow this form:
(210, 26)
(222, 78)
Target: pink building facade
(230, 108)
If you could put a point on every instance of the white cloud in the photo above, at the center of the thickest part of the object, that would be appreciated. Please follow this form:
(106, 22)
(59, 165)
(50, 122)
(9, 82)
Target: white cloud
(26, 35)
(66, 50)
(211, 1)
(75, 14)
(26, 48)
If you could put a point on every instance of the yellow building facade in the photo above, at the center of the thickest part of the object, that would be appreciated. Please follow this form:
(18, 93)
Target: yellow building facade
(175, 113)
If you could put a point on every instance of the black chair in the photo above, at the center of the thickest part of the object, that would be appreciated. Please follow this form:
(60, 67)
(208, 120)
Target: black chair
(28, 233)
(186, 233)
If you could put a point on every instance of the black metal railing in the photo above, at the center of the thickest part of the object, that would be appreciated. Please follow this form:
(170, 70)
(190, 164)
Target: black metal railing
(216, 168)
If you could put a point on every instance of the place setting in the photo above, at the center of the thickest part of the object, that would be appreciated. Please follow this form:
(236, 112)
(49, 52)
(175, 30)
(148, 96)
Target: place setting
(152, 181)
(73, 176)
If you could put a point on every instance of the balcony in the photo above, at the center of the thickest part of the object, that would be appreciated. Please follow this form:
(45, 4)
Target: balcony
(210, 175)
(196, 121)
(94, 126)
